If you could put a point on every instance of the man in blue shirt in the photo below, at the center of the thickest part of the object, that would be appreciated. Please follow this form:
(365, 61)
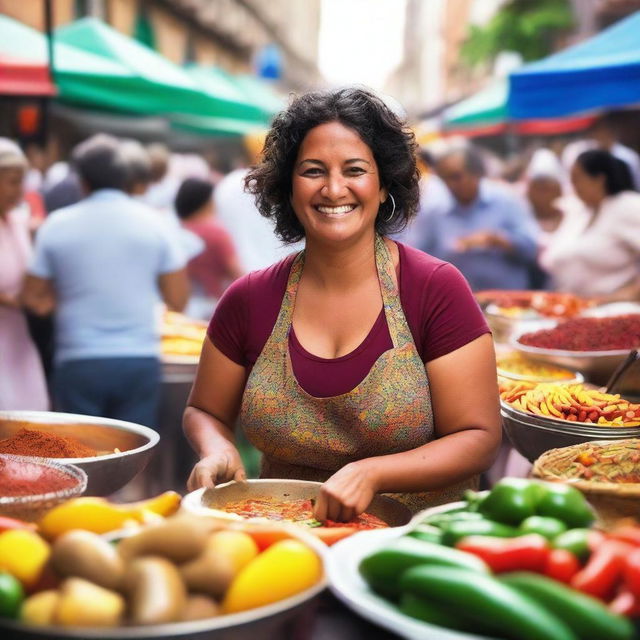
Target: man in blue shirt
(478, 226)
(103, 265)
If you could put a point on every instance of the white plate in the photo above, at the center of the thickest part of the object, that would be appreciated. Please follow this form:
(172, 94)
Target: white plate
(347, 584)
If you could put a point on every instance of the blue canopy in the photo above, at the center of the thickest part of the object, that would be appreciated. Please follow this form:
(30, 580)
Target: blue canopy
(600, 73)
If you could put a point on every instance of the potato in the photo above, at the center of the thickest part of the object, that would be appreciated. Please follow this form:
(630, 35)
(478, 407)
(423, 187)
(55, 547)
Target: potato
(84, 604)
(87, 555)
(199, 607)
(156, 591)
(39, 609)
(210, 573)
(179, 538)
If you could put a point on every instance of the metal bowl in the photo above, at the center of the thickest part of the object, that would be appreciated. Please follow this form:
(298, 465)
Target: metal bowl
(32, 507)
(203, 501)
(106, 473)
(597, 366)
(532, 435)
(276, 620)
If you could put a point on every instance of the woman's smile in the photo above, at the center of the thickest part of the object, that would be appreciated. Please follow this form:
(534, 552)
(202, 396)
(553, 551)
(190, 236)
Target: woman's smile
(335, 211)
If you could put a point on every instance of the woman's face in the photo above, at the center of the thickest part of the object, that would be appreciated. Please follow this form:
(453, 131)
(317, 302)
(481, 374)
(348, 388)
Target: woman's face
(11, 180)
(336, 189)
(590, 189)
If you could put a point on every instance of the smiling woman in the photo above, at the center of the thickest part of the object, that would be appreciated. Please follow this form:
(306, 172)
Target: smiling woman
(359, 362)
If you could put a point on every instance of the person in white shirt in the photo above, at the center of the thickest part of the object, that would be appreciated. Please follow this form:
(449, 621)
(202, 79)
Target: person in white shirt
(596, 252)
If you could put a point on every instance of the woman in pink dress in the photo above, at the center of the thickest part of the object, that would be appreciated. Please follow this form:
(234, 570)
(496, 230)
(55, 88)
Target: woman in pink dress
(22, 381)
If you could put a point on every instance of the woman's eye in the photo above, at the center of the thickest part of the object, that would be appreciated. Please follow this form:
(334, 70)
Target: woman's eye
(313, 171)
(356, 171)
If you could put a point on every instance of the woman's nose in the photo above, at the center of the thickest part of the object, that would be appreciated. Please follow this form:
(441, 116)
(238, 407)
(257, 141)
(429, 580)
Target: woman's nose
(334, 186)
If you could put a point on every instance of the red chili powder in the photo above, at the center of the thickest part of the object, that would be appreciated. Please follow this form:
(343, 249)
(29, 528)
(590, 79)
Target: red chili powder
(31, 442)
(27, 479)
(589, 334)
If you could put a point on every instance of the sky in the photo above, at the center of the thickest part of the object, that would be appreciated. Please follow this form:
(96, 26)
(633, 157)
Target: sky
(360, 41)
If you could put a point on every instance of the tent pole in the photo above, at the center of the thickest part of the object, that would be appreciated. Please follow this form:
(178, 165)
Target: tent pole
(46, 102)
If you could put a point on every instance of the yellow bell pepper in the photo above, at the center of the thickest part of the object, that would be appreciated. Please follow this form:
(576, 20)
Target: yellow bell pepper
(101, 516)
(23, 554)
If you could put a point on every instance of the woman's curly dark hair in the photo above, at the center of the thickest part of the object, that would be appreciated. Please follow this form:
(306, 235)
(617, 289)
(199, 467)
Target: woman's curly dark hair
(392, 143)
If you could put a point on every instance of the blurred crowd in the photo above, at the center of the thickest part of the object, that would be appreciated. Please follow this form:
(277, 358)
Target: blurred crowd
(90, 245)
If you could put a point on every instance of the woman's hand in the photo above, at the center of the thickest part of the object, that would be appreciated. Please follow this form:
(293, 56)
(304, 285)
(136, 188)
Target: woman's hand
(347, 493)
(217, 468)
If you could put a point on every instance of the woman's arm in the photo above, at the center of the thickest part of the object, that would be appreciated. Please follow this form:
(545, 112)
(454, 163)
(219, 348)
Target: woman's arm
(209, 418)
(9, 301)
(464, 397)
(38, 295)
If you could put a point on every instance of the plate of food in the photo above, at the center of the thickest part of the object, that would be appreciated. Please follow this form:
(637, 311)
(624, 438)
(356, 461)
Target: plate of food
(275, 500)
(485, 568)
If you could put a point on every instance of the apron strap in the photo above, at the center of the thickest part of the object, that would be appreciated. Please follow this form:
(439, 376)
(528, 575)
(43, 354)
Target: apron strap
(394, 313)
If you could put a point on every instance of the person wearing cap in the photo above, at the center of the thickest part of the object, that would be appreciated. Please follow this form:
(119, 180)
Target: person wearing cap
(217, 266)
(22, 381)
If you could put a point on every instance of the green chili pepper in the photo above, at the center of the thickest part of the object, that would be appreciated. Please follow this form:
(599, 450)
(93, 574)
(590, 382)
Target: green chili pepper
(544, 525)
(423, 609)
(486, 600)
(586, 616)
(576, 541)
(565, 503)
(443, 519)
(428, 533)
(382, 569)
(455, 531)
(511, 501)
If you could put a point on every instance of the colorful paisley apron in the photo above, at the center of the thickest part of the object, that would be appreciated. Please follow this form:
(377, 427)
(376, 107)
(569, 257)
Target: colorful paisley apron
(309, 438)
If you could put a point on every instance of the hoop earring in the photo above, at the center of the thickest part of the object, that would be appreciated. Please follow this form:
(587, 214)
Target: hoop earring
(393, 210)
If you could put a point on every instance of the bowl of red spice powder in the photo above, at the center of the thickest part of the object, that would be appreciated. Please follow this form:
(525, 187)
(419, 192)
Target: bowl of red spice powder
(30, 487)
(111, 452)
(595, 346)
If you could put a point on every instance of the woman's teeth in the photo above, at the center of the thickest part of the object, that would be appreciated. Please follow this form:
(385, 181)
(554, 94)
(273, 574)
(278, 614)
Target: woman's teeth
(336, 211)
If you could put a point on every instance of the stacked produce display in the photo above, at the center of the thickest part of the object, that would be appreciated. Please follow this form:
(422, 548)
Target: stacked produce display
(520, 561)
(157, 566)
(181, 336)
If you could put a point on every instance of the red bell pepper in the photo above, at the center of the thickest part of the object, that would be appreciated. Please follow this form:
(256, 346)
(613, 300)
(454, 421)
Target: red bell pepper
(632, 572)
(626, 533)
(562, 565)
(7, 524)
(625, 604)
(603, 571)
(524, 553)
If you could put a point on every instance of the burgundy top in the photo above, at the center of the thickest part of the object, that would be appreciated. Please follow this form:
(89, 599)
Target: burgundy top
(211, 267)
(441, 311)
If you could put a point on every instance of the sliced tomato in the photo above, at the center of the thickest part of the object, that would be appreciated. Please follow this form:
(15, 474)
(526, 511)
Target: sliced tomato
(331, 535)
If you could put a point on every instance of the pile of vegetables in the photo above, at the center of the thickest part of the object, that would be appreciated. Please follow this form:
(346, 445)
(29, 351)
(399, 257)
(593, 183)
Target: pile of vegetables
(520, 561)
(179, 568)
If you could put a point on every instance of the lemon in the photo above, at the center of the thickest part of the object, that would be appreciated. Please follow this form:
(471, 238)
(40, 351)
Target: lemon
(284, 569)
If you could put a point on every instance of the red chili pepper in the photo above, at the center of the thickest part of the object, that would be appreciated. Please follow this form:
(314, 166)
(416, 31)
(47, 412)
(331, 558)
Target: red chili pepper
(7, 523)
(632, 572)
(626, 533)
(625, 604)
(524, 553)
(561, 565)
(603, 571)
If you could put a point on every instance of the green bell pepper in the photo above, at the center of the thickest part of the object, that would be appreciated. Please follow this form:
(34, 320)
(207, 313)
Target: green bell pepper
(511, 500)
(565, 503)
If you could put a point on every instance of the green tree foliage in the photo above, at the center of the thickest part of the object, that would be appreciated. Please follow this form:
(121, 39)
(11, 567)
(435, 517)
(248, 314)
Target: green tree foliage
(529, 27)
